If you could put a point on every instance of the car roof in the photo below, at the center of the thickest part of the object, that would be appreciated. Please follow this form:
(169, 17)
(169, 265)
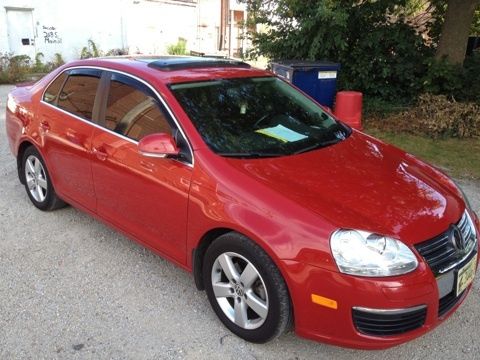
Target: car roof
(175, 69)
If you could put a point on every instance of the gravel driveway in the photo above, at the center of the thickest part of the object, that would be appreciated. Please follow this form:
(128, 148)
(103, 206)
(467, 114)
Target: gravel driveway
(72, 288)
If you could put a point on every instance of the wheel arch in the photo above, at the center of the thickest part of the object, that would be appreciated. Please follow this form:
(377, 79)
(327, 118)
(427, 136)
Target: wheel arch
(198, 253)
(24, 145)
(209, 237)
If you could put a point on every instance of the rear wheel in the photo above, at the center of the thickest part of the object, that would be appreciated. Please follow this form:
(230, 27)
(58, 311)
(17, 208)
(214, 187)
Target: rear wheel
(246, 289)
(37, 181)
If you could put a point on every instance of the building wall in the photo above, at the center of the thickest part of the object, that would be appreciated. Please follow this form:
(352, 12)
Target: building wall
(60, 27)
(140, 26)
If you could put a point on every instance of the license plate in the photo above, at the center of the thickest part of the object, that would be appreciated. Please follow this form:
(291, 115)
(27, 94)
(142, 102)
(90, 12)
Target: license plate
(465, 275)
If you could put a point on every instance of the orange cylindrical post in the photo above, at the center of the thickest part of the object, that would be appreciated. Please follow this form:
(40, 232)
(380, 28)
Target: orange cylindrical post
(348, 108)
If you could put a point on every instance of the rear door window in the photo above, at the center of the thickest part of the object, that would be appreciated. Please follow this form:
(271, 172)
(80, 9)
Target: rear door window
(133, 111)
(50, 95)
(79, 92)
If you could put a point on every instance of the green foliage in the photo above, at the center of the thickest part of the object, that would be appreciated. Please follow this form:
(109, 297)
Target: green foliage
(39, 66)
(57, 60)
(116, 52)
(379, 53)
(180, 48)
(90, 51)
(476, 24)
(471, 66)
(14, 68)
(387, 63)
(458, 82)
(374, 107)
(378, 43)
(93, 51)
(441, 77)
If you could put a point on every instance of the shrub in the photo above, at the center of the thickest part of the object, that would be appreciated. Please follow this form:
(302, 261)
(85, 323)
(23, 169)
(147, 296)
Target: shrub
(459, 82)
(14, 68)
(39, 66)
(57, 61)
(386, 64)
(180, 48)
(90, 51)
(116, 52)
(471, 87)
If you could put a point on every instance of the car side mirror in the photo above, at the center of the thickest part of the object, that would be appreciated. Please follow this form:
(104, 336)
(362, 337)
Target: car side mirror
(158, 145)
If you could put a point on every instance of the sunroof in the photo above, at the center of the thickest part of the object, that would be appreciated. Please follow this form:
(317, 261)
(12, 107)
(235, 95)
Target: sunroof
(169, 63)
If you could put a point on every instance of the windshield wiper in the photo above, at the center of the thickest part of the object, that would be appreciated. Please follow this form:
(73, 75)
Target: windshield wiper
(318, 145)
(250, 155)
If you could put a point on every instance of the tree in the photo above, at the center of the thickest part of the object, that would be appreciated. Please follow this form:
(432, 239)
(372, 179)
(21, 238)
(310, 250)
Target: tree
(386, 48)
(456, 29)
(379, 53)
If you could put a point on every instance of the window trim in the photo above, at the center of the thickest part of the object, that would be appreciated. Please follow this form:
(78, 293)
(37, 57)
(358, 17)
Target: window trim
(104, 90)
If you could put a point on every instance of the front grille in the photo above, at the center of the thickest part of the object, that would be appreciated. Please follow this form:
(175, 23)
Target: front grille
(385, 323)
(448, 302)
(440, 252)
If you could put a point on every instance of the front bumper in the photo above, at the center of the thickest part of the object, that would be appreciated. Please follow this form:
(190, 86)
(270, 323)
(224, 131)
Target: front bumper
(338, 325)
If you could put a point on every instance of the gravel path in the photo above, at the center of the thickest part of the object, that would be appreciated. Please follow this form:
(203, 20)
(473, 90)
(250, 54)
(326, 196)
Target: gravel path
(72, 288)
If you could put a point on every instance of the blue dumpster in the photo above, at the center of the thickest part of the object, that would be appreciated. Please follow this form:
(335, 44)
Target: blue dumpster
(317, 79)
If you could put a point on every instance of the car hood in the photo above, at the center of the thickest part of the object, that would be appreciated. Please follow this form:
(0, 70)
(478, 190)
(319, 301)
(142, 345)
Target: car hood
(363, 183)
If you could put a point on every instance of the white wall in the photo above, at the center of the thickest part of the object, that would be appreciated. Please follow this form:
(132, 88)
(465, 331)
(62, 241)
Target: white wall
(151, 26)
(65, 26)
(208, 32)
(142, 26)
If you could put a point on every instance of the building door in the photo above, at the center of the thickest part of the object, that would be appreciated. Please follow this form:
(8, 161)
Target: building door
(21, 33)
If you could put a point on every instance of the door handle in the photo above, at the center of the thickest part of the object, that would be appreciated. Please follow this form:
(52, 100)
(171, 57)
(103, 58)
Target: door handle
(71, 135)
(100, 153)
(147, 165)
(45, 125)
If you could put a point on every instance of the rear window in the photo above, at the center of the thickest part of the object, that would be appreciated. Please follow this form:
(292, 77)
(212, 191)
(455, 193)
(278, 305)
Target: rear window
(78, 94)
(52, 91)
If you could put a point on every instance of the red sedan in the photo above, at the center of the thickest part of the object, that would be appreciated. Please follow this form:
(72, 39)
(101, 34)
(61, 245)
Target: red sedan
(284, 215)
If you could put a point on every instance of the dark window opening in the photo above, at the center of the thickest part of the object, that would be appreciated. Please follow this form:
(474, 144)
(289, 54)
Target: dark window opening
(78, 95)
(133, 112)
(52, 91)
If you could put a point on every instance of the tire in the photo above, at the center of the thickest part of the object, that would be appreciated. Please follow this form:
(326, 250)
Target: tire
(38, 184)
(250, 296)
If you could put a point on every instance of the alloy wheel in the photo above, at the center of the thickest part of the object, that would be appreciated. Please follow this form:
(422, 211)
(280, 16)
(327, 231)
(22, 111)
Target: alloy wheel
(239, 290)
(36, 178)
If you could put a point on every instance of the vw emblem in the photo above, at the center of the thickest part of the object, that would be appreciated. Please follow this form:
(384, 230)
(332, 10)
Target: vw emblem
(239, 290)
(456, 238)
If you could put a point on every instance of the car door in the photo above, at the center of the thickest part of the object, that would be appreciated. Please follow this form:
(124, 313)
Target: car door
(66, 114)
(146, 197)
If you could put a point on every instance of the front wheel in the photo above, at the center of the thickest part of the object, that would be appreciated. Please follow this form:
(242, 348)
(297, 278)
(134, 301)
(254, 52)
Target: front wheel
(246, 289)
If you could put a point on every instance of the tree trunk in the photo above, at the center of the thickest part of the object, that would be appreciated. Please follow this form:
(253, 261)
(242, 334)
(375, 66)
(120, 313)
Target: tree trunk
(455, 30)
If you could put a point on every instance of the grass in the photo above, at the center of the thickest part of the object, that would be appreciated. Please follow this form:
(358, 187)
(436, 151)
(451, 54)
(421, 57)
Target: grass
(460, 158)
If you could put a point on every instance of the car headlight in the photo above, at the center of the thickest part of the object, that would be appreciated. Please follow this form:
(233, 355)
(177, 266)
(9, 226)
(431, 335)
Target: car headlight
(363, 253)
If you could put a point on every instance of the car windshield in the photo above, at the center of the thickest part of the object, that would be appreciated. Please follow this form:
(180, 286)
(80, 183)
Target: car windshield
(257, 117)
